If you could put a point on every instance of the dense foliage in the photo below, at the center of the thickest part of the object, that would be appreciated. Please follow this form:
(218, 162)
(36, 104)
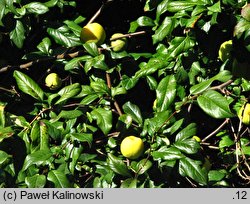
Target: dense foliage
(166, 87)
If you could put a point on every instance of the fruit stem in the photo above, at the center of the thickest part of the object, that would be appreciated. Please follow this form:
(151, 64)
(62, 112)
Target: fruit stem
(99, 11)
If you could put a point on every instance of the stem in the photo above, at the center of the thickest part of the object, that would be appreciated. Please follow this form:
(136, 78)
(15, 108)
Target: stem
(129, 35)
(215, 131)
(98, 12)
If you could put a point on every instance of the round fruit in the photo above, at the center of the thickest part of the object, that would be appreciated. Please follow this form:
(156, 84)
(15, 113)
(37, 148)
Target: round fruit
(244, 114)
(132, 147)
(93, 32)
(225, 50)
(197, 138)
(119, 44)
(53, 81)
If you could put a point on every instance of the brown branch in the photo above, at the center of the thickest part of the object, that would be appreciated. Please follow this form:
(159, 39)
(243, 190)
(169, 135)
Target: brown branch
(215, 131)
(29, 64)
(99, 11)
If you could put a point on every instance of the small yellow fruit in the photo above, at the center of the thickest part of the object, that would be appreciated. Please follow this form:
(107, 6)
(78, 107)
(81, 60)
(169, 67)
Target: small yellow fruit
(244, 114)
(119, 44)
(225, 50)
(93, 32)
(53, 81)
(197, 138)
(132, 147)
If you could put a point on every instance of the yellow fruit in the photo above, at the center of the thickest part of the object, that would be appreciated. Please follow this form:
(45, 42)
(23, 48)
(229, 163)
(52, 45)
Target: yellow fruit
(132, 147)
(225, 50)
(197, 138)
(93, 32)
(53, 81)
(244, 114)
(119, 44)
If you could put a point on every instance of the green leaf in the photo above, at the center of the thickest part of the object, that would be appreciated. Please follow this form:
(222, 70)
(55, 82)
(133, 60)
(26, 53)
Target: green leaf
(74, 27)
(226, 141)
(82, 137)
(63, 37)
(44, 46)
(134, 111)
(4, 157)
(39, 157)
(36, 181)
(214, 104)
(71, 114)
(187, 132)
(28, 86)
(103, 118)
(117, 165)
(36, 8)
(216, 175)
(165, 93)
(129, 183)
(59, 179)
(91, 48)
(68, 92)
(191, 168)
(143, 165)
(188, 146)
(6, 132)
(18, 34)
(164, 30)
(167, 153)
(145, 21)
(161, 9)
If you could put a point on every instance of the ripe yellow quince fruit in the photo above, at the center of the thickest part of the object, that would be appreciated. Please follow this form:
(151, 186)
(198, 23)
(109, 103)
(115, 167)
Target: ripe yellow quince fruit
(93, 32)
(53, 81)
(119, 44)
(225, 50)
(244, 114)
(132, 147)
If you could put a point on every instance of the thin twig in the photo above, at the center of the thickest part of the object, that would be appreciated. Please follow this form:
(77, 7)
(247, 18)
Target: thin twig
(215, 131)
(29, 64)
(99, 11)
(129, 35)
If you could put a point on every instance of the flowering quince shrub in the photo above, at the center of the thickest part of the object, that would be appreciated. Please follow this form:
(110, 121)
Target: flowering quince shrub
(168, 86)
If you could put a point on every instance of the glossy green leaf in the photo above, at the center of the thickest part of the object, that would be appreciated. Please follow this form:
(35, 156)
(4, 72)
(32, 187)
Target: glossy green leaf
(39, 157)
(103, 118)
(59, 179)
(134, 111)
(18, 34)
(165, 93)
(129, 183)
(164, 29)
(36, 181)
(214, 104)
(167, 153)
(44, 46)
(36, 8)
(28, 85)
(82, 137)
(186, 132)
(117, 165)
(188, 146)
(192, 169)
(68, 92)
(217, 175)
